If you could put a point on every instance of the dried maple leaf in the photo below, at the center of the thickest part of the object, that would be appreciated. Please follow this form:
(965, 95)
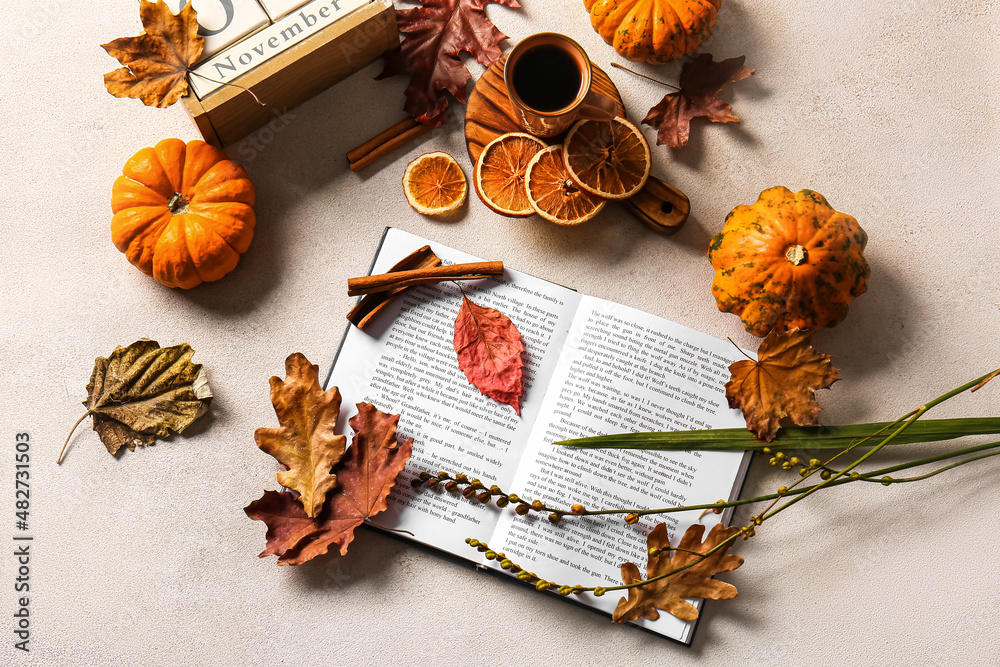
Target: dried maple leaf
(436, 34)
(287, 524)
(156, 62)
(693, 582)
(781, 383)
(306, 443)
(489, 352)
(365, 475)
(143, 391)
(701, 80)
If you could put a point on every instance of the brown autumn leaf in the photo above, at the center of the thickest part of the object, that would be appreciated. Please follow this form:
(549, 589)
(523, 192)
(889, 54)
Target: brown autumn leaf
(435, 35)
(701, 80)
(157, 61)
(781, 383)
(306, 442)
(489, 352)
(365, 476)
(694, 582)
(144, 391)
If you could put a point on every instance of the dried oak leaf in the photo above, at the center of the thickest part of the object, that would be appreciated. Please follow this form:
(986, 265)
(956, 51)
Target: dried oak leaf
(143, 391)
(694, 582)
(157, 61)
(489, 352)
(701, 80)
(365, 476)
(436, 34)
(306, 442)
(781, 383)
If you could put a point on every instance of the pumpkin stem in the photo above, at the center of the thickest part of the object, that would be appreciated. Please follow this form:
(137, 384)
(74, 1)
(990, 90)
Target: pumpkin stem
(178, 204)
(796, 254)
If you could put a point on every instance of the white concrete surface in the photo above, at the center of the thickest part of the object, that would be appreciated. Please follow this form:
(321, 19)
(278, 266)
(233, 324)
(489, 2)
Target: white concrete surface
(888, 109)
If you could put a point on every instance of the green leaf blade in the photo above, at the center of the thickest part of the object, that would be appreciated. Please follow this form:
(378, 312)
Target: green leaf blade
(799, 437)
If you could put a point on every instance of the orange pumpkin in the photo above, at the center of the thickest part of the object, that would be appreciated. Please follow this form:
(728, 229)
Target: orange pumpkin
(182, 213)
(789, 260)
(653, 31)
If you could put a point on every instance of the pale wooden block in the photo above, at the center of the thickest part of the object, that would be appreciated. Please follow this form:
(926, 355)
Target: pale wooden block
(278, 8)
(211, 73)
(224, 22)
(353, 40)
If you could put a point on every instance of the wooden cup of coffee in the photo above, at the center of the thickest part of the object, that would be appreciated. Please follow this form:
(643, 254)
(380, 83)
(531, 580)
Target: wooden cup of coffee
(548, 79)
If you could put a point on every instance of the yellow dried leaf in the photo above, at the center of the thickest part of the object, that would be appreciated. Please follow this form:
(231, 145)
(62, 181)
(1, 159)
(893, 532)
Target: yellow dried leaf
(693, 582)
(306, 442)
(157, 61)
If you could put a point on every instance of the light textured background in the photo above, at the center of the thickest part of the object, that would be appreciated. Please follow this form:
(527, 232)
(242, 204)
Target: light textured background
(889, 109)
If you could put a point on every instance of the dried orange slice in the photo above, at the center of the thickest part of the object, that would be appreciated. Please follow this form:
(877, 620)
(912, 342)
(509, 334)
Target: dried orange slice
(434, 184)
(499, 177)
(607, 159)
(553, 194)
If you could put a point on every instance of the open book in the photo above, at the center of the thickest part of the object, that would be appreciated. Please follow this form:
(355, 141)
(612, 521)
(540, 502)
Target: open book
(593, 367)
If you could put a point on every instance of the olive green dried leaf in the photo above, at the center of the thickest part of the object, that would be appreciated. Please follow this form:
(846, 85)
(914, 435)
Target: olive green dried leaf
(143, 391)
(116, 435)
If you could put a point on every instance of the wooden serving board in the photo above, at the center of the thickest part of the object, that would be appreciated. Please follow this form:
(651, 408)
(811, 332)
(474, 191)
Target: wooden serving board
(489, 114)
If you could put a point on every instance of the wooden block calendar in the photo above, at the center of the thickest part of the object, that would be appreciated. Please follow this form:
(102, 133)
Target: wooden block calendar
(285, 51)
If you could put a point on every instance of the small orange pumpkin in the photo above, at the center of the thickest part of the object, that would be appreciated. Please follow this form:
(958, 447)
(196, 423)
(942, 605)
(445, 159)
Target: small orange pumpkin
(654, 31)
(182, 213)
(789, 260)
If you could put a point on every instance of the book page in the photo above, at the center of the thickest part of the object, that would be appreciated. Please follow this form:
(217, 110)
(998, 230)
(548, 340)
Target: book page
(622, 370)
(406, 363)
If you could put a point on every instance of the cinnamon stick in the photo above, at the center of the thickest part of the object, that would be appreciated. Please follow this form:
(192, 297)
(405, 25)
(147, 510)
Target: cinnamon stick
(402, 279)
(384, 143)
(371, 305)
(364, 149)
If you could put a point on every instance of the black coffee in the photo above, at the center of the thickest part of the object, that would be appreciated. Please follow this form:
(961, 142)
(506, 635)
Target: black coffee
(546, 78)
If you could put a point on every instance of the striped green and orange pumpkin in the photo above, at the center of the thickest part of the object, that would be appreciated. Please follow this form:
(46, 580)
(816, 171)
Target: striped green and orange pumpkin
(789, 260)
(653, 31)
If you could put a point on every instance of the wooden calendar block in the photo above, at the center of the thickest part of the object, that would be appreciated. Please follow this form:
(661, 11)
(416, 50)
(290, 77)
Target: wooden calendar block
(224, 22)
(283, 78)
(240, 58)
(279, 8)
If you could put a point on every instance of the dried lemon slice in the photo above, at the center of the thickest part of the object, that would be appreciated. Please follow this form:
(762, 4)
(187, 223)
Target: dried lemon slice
(434, 184)
(553, 194)
(609, 159)
(500, 169)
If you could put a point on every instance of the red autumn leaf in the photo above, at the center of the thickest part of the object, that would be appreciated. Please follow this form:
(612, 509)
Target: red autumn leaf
(365, 477)
(489, 352)
(287, 523)
(436, 34)
(701, 80)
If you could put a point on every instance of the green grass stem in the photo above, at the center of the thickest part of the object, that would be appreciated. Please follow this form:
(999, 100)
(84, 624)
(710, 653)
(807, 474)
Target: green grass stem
(797, 437)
